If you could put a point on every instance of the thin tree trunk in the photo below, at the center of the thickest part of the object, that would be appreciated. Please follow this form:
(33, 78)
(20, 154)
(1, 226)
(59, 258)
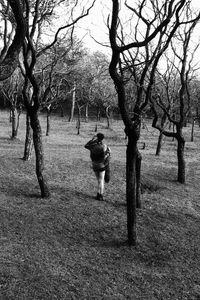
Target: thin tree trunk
(197, 115)
(107, 117)
(98, 114)
(73, 103)
(138, 179)
(160, 138)
(131, 158)
(28, 140)
(159, 144)
(173, 129)
(181, 160)
(98, 119)
(48, 122)
(192, 131)
(18, 119)
(86, 112)
(78, 125)
(61, 111)
(37, 141)
(14, 122)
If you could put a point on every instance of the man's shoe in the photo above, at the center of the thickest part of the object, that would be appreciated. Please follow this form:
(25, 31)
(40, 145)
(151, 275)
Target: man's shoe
(98, 196)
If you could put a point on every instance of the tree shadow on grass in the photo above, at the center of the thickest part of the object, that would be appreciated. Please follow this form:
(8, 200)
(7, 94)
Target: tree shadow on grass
(81, 194)
(115, 204)
(10, 140)
(114, 243)
(3, 138)
(67, 193)
(19, 191)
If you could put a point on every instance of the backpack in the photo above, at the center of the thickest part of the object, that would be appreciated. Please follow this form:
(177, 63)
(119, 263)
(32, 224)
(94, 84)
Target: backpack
(97, 153)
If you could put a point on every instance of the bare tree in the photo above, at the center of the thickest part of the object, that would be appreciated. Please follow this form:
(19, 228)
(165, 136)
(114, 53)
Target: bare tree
(36, 12)
(158, 22)
(195, 104)
(178, 105)
(11, 89)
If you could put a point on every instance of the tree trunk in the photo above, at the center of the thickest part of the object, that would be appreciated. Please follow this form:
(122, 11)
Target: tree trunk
(181, 160)
(98, 114)
(98, 119)
(78, 125)
(159, 144)
(86, 112)
(192, 131)
(138, 179)
(14, 122)
(17, 125)
(10, 116)
(73, 103)
(197, 115)
(11, 61)
(18, 118)
(61, 110)
(131, 158)
(48, 122)
(37, 141)
(108, 117)
(160, 138)
(28, 140)
(173, 129)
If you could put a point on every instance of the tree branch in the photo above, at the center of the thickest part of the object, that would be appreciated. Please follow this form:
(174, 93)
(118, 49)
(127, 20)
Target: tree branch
(10, 62)
(65, 27)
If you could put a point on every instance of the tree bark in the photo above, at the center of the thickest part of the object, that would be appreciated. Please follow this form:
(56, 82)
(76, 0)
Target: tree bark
(86, 112)
(131, 159)
(28, 140)
(9, 62)
(78, 125)
(73, 103)
(98, 114)
(198, 115)
(160, 138)
(181, 160)
(48, 122)
(14, 122)
(19, 111)
(108, 117)
(159, 144)
(192, 131)
(138, 179)
(37, 141)
(61, 111)
(173, 130)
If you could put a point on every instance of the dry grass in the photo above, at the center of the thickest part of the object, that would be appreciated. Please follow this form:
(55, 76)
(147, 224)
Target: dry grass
(71, 246)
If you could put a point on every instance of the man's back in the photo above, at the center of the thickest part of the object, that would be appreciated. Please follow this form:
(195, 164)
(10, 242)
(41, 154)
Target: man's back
(97, 152)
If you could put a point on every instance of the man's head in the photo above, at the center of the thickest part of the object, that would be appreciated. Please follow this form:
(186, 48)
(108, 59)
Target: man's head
(100, 136)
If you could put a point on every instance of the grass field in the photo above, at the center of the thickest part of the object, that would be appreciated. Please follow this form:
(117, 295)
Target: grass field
(72, 246)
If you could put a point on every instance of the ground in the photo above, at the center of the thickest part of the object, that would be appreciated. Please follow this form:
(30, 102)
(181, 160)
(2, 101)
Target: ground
(72, 246)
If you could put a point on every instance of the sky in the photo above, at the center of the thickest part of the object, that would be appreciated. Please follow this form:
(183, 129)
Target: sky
(95, 25)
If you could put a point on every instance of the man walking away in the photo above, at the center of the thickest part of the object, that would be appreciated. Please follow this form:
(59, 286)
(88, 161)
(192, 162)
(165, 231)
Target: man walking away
(100, 156)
